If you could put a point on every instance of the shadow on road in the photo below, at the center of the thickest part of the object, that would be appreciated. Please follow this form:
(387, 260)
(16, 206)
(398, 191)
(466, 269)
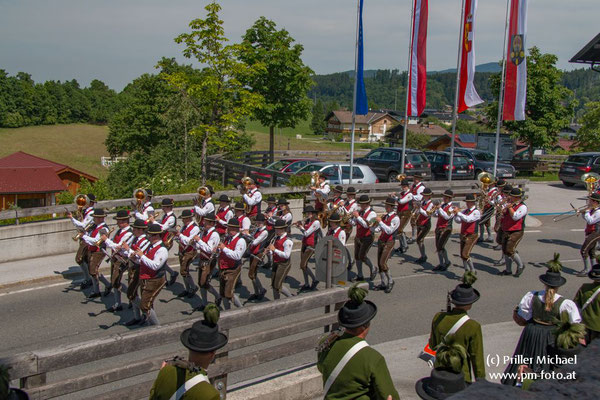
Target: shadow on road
(560, 242)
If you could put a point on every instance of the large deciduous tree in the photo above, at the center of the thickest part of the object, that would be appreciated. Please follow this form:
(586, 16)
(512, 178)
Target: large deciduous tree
(317, 123)
(282, 78)
(549, 105)
(588, 136)
(216, 92)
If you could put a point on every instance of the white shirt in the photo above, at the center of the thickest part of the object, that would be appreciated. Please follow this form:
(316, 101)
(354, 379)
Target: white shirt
(392, 227)
(323, 189)
(287, 217)
(245, 224)
(143, 247)
(443, 214)
(87, 219)
(207, 207)
(341, 236)
(253, 197)
(92, 240)
(474, 216)
(228, 216)
(261, 236)
(169, 223)
(520, 213)
(419, 196)
(592, 218)
(497, 198)
(238, 252)
(424, 209)
(405, 197)
(185, 240)
(160, 257)
(148, 210)
(369, 214)
(287, 247)
(526, 306)
(127, 238)
(213, 241)
(351, 205)
(312, 228)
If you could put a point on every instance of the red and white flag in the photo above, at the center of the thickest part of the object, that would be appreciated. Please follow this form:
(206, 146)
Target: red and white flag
(515, 84)
(418, 59)
(468, 96)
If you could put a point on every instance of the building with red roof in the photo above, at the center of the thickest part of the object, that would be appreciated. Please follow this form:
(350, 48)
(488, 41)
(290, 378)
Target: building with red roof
(30, 181)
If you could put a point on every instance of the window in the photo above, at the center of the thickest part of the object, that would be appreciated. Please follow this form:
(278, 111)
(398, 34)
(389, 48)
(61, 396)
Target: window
(330, 172)
(578, 159)
(375, 155)
(310, 168)
(28, 203)
(461, 161)
(278, 165)
(417, 159)
(356, 173)
(597, 161)
(391, 156)
(484, 156)
(297, 165)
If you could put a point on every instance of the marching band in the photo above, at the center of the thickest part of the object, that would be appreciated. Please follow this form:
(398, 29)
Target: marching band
(219, 239)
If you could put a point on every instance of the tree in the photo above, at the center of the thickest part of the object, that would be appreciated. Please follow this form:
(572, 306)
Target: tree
(318, 124)
(216, 91)
(416, 140)
(588, 136)
(281, 77)
(548, 108)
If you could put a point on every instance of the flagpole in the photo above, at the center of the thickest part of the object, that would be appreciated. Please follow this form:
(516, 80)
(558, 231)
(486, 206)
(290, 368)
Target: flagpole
(455, 110)
(355, 90)
(501, 95)
(408, 74)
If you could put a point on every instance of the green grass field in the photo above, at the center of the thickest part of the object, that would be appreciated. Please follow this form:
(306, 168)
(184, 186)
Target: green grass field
(77, 145)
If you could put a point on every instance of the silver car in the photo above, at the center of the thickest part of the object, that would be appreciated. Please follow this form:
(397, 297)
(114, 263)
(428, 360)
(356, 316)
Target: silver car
(339, 173)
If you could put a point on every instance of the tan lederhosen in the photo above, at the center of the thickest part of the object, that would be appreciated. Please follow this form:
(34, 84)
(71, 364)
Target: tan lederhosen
(82, 251)
(205, 270)
(228, 278)
(405, 217)
(422, 231)
(116, 272)
(306, 254)
(150, 290)
(588, 248)
(384, 249)
(510, 241)
(441, 237)
(362, 246)
(185, 260)
(280, 272)
(133, 280)
(466, 245)
(94, 260)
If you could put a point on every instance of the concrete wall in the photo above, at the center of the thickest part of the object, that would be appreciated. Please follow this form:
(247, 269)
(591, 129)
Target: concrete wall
(41, 239)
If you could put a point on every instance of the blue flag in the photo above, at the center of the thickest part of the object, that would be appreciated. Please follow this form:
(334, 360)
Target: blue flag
(362, 107)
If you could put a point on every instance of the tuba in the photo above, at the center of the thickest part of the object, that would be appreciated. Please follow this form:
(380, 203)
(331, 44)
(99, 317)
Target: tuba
(81, 201)
(139, 195)
(170, 236)
(486, 180)
(246, 182)
(590, 180)
(203, 193)
(400, 177)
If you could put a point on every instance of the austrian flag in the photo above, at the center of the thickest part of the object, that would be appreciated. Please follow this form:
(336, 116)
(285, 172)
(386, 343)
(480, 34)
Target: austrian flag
(418, 59)
(515, 86)
(468, 96)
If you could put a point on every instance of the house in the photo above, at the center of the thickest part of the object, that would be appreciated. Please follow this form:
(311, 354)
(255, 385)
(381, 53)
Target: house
(570, 132)
(395, 134)
(30, 181)
(368, 128)
(445, 117)
(463, 140)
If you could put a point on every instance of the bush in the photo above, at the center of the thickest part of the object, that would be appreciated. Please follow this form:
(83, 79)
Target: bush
(65, 197)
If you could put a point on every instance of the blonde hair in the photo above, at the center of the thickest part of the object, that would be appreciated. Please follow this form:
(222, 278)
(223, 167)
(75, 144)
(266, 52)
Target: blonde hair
(549, 298)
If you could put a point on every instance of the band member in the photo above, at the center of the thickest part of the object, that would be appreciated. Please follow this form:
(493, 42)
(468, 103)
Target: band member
(253, 198)
(334, 228)
(152, 273)
(513, 228)
(592, 233)
(230, 263)
(207, 259)
(310, 229)
(256, 247)
(321, 192)
(281, 251)
(240, 214)
(424, 223)
(337, 200)
(466, 331)
(167, 223)
(284, 212)
(405, 200)
(147, 209)
(95, 255)
(271, 206)
(364, 236)
(493, 191)
(388, 225)
(187, 252)
(86, 221)
(417, 191)
(468, 237)
(206, 206)
(133, 268)
(501, 199)
(588, 301)
(350, 205)
(270, 214)
(118, 260)
(224, 214)
(443, 229)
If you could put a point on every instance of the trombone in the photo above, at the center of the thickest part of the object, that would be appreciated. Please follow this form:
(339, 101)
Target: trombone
(571, 213)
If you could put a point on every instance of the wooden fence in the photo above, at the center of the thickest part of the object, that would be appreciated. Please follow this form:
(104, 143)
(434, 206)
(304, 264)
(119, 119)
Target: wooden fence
(261, 158)
(33, 368)
(546, 163)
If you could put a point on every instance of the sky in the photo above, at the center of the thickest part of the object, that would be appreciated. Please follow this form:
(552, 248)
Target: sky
(116, 41)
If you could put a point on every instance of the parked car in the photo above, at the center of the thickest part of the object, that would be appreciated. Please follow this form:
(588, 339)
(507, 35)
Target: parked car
(576, 165)
(462, 167)
(339, 173)
(386, 163)
(290, 165)
(483, 161)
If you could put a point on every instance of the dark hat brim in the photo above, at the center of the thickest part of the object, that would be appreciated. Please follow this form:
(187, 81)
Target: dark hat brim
(465, 302)
(220, 342)
(186, 216)
(209, 219)
(139, 227)
(364, 201)
(233, 226)
(420, 389)
(595, 276)
(561, 281)
(127, 217)
(372, 312)
(99, 215)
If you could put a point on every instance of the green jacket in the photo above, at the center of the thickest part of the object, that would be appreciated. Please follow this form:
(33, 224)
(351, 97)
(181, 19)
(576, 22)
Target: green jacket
(365, 377)
(591, 315)
(175, 374)
(469, 336)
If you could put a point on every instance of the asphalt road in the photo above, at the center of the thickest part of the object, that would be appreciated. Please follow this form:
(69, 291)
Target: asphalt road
(53, 314)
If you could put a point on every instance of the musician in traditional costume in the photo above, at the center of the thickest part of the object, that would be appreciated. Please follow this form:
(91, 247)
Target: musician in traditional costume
(284, 212)
(187, 252)
(588, 301)
(513, 229)
(350, 205)
(167, 224)
(311, 230)
(231, 251)
(118, 259)
(592, 233)
(256, 248)
(335, 230)
(270, 214)
(363, 240)
(468, 237)
(501, 199)
(85, 220)
(205, 205)
(388, 226)
(337, 201)
(245, 223)
(404, 211)
(417, 192)
(253, 199)
(206, 244)
(223, 214)
(443, 229)
(95, 253)
(424, 223)
(321, 192)
(146, 210)
(493, 191)
(141, 242)
(281, 251)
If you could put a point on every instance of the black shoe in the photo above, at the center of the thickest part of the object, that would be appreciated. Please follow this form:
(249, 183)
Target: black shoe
(107, 290)
(304, 288)
(218, 302)
(133, 322)
(357, 279)
(438, 268)
(183, 294)
(314, 285)
(93, 296)
(262, 293)
(381, 286)
(201, 307)
(480, 240)
(519, 272)
(421, 260)
(192, 293)
(373, 274)
(117, 308)
(410, 241)
(582, 274)
(173, 278)
(489, 240)
(253, 297)
(85, 284)
(504, 273)
(445, 266)
(144, 320)
(389, 287)
(497, 247)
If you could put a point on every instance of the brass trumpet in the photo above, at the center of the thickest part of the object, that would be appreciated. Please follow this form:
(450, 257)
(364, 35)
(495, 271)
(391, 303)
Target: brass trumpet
(373, 223)
(153, 217)
(82, 232)
(103, 232)
(171, 234)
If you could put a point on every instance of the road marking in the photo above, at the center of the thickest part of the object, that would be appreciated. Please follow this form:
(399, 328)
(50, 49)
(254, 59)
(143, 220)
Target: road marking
(39, 287)
(533, 231)
(577, 230)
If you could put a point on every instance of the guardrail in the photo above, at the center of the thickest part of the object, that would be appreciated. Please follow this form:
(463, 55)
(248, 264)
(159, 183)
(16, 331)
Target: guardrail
(33, 368)
(262, 157)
